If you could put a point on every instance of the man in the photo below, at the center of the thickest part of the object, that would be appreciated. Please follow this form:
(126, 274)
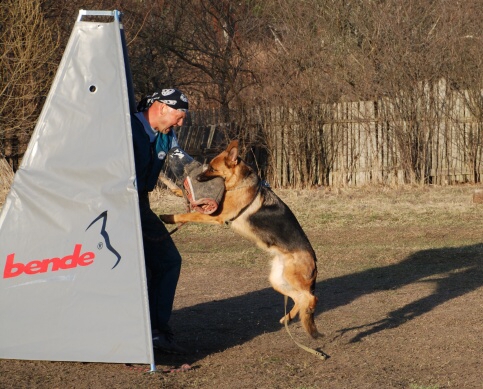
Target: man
(153, 137)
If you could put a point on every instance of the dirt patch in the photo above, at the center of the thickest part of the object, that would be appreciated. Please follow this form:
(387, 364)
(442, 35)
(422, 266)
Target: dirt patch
(400, 290)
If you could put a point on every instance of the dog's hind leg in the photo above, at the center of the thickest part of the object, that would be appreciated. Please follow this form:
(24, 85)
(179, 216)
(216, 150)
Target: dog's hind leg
(289, 316)
(307, 311)
(279, 283)
(293, 275)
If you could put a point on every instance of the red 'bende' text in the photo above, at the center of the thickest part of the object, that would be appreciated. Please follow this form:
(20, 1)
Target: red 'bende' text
(14, 269)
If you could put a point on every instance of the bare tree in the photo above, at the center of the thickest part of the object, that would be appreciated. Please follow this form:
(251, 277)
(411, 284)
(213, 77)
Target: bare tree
(211, 38)
(406, 45)
(464, 72)
(280, 73)
(28, 46)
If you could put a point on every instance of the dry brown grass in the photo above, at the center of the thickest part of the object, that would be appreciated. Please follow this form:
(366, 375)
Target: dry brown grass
(399, 285)
(6, 179)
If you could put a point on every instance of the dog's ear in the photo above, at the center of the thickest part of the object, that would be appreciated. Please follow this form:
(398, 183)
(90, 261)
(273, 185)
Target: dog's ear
(232, 157)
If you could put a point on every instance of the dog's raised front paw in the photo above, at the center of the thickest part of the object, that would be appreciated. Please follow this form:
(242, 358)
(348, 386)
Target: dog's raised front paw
(168, 219)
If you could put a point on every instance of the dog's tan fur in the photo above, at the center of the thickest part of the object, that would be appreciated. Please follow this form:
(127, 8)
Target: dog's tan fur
(256, 213)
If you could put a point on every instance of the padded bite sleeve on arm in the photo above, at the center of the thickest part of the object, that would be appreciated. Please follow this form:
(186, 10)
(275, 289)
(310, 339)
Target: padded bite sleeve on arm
(204, 197)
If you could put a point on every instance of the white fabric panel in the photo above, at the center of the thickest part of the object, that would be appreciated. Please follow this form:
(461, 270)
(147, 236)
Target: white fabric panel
(73, 288)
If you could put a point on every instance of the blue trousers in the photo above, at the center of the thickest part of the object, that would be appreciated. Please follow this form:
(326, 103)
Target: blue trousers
(163, 265)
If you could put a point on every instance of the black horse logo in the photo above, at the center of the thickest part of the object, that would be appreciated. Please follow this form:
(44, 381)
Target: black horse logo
(105, 235)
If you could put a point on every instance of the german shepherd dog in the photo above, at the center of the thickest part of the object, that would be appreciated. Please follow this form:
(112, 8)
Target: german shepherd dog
(256, 213)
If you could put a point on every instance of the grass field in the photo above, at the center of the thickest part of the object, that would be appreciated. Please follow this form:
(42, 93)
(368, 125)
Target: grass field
(400, 301)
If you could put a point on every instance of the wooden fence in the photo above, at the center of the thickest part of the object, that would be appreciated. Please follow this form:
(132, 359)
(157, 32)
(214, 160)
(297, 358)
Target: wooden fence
(429, 135)
(354, 143)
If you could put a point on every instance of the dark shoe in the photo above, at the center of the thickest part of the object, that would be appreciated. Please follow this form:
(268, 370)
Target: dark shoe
(164, 341)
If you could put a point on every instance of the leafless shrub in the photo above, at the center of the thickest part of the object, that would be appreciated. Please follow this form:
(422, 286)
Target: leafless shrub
(252, 59)
(6, 178)
(28, 46)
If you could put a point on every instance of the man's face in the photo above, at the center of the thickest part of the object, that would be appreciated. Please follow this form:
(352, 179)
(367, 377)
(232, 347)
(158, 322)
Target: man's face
(168, 117)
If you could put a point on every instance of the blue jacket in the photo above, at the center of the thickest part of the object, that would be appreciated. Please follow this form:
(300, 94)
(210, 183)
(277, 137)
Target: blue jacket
(149, 156)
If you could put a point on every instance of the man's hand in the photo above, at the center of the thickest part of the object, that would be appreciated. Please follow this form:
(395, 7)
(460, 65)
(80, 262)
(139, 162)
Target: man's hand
(168, 219)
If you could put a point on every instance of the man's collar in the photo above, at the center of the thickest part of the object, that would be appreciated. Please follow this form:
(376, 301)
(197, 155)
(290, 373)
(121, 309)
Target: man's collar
(147, 127)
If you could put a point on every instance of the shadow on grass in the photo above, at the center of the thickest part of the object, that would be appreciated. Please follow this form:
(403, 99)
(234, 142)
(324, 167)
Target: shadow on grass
(453, 272)
(217, 325)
